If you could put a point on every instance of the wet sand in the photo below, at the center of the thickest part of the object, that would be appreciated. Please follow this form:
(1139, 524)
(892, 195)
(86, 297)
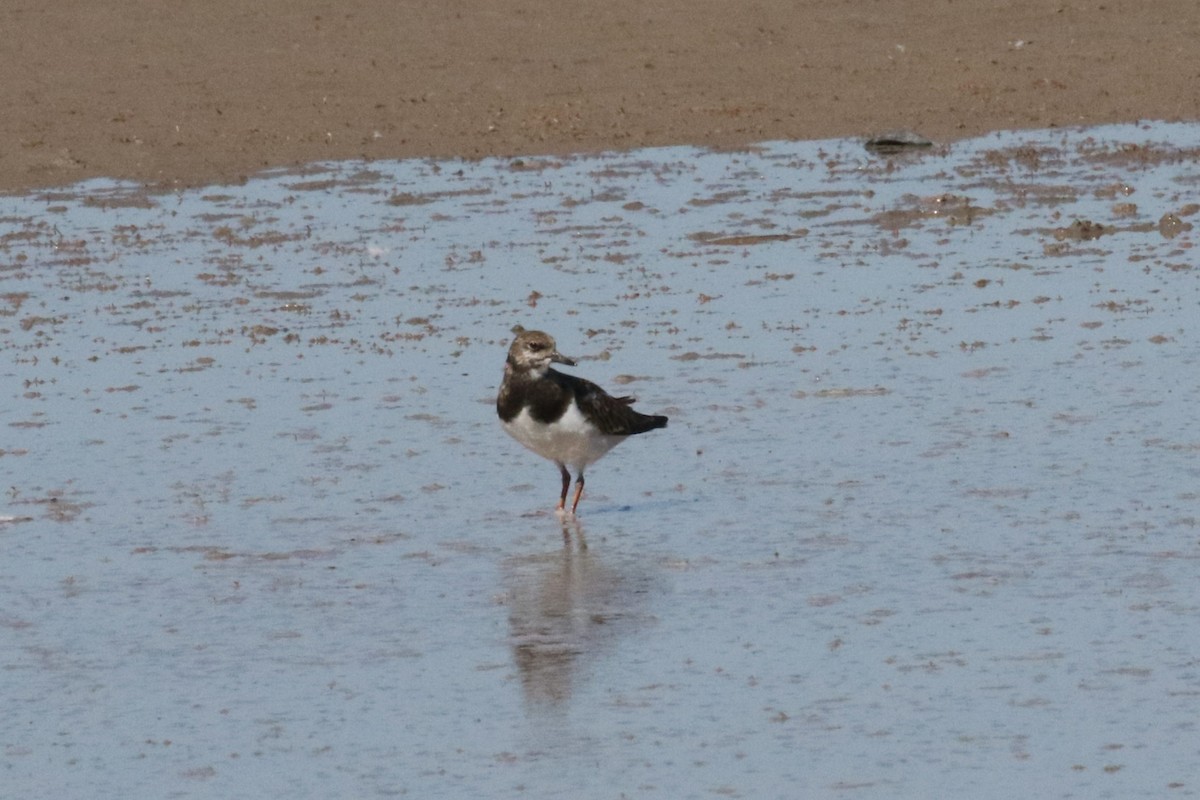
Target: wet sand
(214, 92)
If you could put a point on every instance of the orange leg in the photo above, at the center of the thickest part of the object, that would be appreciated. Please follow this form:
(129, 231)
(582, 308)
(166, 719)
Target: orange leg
(566, 476)
(578, 492)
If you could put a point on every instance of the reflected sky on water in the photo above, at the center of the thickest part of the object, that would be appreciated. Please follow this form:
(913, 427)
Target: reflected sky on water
(924, 522)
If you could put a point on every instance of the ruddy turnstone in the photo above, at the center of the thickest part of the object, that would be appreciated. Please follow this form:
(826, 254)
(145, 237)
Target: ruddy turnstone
(569, 420)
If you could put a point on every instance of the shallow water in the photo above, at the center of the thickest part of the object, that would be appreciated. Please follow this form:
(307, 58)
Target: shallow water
(924, 522)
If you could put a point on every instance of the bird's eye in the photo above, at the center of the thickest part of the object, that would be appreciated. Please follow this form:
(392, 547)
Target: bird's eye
(535, 346)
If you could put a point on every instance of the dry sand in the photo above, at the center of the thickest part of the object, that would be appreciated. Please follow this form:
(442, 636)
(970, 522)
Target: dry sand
(188, 93)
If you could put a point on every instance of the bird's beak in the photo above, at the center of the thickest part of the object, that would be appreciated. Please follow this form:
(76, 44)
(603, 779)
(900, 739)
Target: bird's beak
(559, 358)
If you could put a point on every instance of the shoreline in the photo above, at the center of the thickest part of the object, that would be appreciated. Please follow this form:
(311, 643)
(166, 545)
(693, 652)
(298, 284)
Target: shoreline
(211, 95)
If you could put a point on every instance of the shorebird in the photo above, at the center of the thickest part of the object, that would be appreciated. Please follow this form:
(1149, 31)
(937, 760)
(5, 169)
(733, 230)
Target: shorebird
(569, 420)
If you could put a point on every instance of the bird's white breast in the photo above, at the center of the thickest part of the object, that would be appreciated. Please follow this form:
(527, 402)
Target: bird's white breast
(570, 440)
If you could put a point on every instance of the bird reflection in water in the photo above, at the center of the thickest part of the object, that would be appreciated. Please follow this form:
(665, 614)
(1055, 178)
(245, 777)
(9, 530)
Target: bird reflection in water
(566, 607)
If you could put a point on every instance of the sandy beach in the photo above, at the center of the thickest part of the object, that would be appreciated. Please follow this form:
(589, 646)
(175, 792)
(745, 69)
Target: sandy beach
(190, 94)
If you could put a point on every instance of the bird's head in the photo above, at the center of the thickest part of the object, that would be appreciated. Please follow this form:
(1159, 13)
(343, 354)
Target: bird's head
(534, 351)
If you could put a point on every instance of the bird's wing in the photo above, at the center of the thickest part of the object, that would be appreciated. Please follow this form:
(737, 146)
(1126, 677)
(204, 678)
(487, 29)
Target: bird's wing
(612, 415)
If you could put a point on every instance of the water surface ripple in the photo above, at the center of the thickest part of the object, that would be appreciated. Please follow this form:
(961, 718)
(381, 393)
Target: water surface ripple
(924, 523)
